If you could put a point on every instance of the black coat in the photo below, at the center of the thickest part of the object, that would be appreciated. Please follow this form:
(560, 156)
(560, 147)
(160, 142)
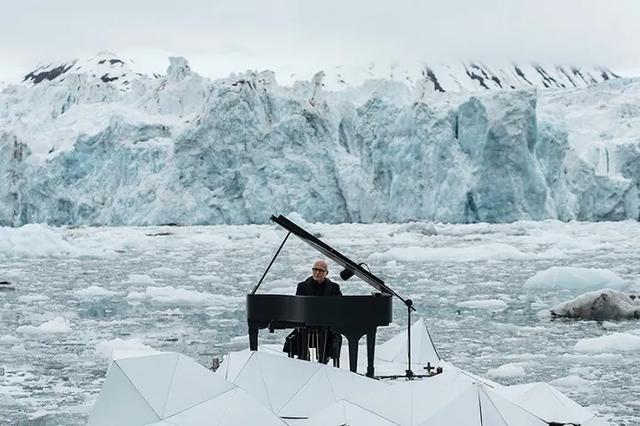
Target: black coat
(294, 345)
(310, 287)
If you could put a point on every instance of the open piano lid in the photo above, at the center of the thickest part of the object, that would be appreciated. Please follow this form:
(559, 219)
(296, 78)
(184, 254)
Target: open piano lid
(335, 255)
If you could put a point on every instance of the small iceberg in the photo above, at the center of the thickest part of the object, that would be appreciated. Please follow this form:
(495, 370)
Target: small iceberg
(600, 305)
(569, 277)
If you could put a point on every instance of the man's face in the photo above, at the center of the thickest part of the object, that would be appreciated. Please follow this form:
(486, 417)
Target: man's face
(319, 271)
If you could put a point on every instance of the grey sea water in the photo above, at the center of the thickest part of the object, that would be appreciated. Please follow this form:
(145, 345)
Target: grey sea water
(183, 289)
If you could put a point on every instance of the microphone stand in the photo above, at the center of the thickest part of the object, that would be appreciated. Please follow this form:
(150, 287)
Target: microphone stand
(408, 373)
(409, 304)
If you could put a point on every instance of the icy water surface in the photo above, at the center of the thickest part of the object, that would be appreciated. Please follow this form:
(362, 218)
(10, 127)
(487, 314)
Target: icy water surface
(183, 289)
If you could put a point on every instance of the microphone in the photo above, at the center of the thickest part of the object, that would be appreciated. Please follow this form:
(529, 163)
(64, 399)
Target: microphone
(346, 273)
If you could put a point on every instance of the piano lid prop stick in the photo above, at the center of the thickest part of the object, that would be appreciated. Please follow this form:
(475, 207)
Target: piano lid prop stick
(269, 267)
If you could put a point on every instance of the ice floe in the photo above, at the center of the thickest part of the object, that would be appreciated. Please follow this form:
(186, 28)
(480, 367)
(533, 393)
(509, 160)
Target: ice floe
(612, 343)
(94, 291)
(143, 279)
(488, 304)
(170, 295)
(507, 370)
(54, 326)
(478, 253)
(600, 305)
(119, 348)
(34, 241)
(574, 278)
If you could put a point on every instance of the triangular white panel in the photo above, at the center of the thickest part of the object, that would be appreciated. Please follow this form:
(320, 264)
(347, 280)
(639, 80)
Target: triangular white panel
(120, 403)
(192, 384)
(332, 415)
(547, 402)
(412, 401)
(315, 395)
(207, 413)
(244, 410)
(233, 364)
(464, 409)
(358, 415)
(234, 407)
(346, 384)
(511, 412)
(422, 350)
(346, 413)
(250, 379)
(491, 414)
(439, 390)
(391, 404)
(283, 377)
(152, 376)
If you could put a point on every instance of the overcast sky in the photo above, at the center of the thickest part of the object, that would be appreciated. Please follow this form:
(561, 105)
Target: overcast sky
(221, 37)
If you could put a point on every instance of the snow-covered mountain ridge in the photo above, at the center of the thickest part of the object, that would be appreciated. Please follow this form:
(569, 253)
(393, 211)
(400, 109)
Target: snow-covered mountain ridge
(105, 67)
(461, 76)
(78, 148)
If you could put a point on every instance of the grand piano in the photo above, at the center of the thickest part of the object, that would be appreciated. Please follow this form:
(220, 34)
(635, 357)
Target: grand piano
(351, 316)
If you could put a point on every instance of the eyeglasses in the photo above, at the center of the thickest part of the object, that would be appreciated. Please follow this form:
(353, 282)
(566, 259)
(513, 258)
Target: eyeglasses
(318, 270)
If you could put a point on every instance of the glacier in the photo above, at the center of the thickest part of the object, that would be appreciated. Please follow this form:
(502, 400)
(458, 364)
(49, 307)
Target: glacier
(96, 143)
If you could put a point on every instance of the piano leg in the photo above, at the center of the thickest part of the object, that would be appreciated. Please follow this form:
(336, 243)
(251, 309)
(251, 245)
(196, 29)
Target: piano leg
(305, 337)
(253, 339)
(371, 346)
(353, 352)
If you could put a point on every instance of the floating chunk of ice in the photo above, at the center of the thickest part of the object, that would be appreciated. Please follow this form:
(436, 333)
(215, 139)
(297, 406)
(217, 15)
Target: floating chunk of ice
(94, 291)
(54, 326)
(616, 342)
(507, 370)
(490, 304)
(575, 278)
(599, 305)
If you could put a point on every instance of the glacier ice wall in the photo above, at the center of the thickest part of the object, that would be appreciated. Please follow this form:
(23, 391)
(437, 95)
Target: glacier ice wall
(183, 149)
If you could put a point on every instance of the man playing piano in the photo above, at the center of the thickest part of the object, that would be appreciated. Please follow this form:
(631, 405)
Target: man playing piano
(318, 284)
(326, 342)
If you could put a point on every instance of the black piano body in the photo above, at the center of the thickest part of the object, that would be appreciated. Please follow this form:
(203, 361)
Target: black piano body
(351, 316)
